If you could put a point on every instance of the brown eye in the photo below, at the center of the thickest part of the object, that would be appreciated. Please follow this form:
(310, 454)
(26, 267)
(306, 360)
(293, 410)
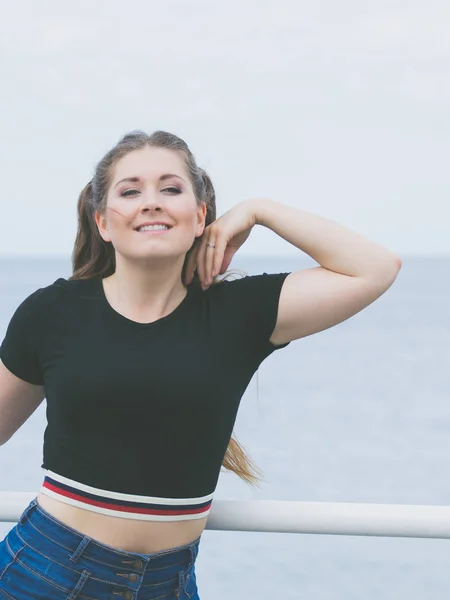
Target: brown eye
(173, 190)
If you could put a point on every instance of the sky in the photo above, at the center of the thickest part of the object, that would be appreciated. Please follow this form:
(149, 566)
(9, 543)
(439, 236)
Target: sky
(337, 108)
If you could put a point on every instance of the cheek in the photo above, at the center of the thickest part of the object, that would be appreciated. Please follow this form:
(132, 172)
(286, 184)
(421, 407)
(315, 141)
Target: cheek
(120, 214)
(188, 215)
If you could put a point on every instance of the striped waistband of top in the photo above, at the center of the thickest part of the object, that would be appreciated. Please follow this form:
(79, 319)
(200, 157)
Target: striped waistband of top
(128, 506)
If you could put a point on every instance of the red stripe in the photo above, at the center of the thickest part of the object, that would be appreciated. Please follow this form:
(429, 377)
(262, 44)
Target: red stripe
(118, 507)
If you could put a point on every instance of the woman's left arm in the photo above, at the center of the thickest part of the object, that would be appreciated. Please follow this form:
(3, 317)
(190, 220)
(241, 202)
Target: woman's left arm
(353, 271)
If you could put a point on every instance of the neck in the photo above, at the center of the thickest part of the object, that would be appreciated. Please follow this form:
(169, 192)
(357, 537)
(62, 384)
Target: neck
(143, 291)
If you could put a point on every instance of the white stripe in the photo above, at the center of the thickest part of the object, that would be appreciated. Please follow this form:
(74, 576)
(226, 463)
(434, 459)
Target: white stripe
(119, 513)
(128, 497)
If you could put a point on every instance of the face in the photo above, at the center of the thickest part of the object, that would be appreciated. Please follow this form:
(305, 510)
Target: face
(151, 186)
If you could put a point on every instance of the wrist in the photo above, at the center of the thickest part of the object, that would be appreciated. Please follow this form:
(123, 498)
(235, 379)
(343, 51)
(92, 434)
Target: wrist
(262, 209)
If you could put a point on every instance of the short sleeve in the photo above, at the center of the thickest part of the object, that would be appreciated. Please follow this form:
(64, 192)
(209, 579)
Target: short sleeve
(19, 349)
(254, 300)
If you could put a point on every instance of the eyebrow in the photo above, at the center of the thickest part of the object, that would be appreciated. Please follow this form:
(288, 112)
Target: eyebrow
(136, 179)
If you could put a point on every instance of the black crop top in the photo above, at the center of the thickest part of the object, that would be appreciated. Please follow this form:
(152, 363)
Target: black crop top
(139, 416)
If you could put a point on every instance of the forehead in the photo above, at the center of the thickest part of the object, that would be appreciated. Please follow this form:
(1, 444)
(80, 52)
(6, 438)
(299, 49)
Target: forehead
(149, 163)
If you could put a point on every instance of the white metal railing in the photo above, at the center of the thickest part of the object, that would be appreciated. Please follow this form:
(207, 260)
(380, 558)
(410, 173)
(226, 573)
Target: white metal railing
(343, 518)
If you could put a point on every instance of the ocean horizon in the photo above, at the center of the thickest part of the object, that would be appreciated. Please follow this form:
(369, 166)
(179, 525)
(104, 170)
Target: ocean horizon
(357, 413)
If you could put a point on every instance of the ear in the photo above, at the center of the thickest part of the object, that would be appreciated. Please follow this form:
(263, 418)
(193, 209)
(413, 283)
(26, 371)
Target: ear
(201, 219)
(102, 225)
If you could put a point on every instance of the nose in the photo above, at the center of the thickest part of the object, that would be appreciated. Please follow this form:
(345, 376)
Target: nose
(151, 202)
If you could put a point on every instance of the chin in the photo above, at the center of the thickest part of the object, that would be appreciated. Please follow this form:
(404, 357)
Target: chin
(155, 254)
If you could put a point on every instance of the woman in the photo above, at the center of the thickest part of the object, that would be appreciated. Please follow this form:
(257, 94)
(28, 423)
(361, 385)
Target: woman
(143, 359)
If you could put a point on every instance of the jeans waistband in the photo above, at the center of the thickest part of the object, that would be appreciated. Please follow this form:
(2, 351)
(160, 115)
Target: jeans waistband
(73, 544)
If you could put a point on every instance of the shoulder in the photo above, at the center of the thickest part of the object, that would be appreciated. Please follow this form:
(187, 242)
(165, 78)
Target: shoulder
(252, 296)
(79, 288)
(248, 307)
(44, 299)
(40, 298)
(249, 285)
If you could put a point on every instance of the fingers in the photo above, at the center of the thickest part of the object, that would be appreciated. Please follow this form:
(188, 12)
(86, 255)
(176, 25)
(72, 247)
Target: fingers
(210, 257)
(219, 255)
(227, 258)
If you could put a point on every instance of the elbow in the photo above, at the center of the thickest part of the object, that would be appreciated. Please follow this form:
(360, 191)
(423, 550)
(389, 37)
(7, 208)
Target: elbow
(4, 438)
(387, 270)
(395, 264)
(5, 435)
(397, 261)
(381, 270)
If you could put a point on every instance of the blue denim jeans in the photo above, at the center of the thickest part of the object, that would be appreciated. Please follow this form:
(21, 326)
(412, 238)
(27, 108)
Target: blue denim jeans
(41, 558)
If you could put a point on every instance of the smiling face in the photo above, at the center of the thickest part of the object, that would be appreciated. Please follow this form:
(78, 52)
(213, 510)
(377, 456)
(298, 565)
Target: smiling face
(151, 186)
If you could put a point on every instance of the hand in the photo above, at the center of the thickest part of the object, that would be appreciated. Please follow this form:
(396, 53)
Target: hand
(225, 236)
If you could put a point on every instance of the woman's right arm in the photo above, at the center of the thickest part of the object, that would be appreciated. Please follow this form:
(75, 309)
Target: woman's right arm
(18, 401)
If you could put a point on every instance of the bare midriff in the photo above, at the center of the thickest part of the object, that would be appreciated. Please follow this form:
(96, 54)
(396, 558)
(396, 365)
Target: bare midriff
(131, 535)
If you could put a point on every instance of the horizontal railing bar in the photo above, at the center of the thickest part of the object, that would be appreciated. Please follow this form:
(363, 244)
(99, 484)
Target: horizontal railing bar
(329, 518)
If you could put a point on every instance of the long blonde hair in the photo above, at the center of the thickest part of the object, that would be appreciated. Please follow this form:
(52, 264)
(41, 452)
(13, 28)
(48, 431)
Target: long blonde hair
(93, 257)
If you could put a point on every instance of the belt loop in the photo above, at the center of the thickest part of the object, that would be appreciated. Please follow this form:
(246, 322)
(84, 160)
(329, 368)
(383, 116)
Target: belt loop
(26, 512)
(181, 584)
(193, 549)
(81, 548)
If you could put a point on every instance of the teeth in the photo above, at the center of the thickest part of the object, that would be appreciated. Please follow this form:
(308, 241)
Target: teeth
(153, 228)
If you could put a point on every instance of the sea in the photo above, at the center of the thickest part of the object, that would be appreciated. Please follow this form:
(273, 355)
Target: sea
(357, 413)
